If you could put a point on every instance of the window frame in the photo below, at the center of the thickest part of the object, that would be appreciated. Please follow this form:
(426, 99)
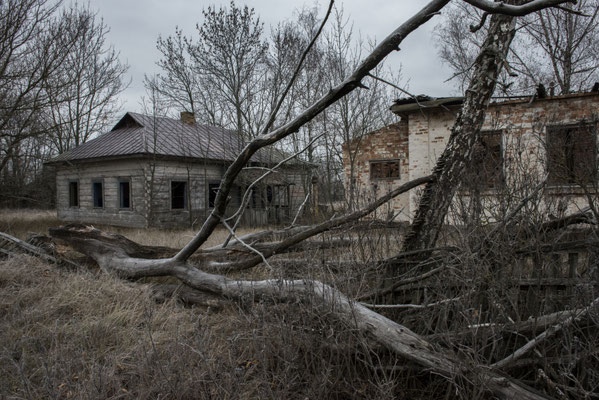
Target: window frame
(210, 197)
(384, 161)
(77, 194)
(122, 180)
(95, 182)
(572, 179)
(486, 183)
(185, 193)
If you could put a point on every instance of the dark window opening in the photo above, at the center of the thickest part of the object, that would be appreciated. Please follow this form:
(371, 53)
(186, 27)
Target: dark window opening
(98, 194)
(73, 194)
(254, 198)
(124, 194)
(178, 195)
(277, 195)
(281, 195)
(212, 191)
(384, 169)
(258, 199)
(487, 160)
(236, 196)
(571, 154)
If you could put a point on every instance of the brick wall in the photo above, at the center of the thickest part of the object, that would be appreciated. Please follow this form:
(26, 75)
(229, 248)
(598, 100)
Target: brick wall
(421, 136)
(388, 143)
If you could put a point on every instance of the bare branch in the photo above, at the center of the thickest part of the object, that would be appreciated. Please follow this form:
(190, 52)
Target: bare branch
(501, 7)
(483, 19)
(387, 46)
(397, 338)
(330, 224)
(544, 336)
(275, 111)
(247, 246)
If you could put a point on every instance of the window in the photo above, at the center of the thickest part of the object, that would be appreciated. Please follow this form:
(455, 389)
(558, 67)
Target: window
(124, 193)
(488, 160)
(255, 197)
(571, 154)
(281, 195)
(384, 169)
(178, 195)
(98, 194)
(212, 191)
(73, 194)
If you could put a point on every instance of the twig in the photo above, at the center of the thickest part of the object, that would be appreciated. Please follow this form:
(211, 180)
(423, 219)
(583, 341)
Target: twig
(571, 11)
(246, 197)
(300, 208)
(483, 19)
(543, 336)
(264, 260)
(401, 283)
(517, 209)
(500, 7)
(275, 111)
(418, 306)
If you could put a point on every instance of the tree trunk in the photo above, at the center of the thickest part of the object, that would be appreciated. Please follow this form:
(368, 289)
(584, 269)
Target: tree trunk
(457, 156)
(112, 256)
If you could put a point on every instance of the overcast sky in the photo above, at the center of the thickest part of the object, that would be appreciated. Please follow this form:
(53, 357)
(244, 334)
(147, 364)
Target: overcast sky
(136, 24)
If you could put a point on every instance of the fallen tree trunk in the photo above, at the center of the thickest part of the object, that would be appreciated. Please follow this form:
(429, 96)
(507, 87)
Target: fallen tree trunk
(103, 248)
(10, 246)
(187, 295)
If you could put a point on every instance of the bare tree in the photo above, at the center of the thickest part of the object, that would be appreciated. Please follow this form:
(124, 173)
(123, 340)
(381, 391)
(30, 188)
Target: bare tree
(178, 83)
(83, 91)
(30, 51)
(218, 72)
(553, 47)
(438, 195)
(58, 82)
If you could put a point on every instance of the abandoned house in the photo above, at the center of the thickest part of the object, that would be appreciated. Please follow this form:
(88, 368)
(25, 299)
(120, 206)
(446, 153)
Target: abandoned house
(522, 141)
(163, 172)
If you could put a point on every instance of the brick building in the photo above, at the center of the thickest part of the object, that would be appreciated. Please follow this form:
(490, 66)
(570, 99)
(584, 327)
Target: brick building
(522, 141)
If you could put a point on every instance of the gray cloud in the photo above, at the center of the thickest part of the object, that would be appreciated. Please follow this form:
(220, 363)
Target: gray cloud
(136, 24)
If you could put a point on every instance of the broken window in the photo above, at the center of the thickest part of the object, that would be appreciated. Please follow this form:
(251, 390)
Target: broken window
(281, 195)
(277, 195)
(256, 199)
(212, 191)
(73, 194)
(487, 160)
(384, 169)
(571, 154)
(178, 195)
(98, 194)
(124, 193)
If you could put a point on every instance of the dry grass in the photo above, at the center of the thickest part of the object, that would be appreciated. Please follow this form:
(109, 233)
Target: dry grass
(20, 223)
(91, 336)
(87, 336)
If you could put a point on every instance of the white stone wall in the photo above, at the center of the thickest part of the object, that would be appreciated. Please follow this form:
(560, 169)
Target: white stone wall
(523, 123)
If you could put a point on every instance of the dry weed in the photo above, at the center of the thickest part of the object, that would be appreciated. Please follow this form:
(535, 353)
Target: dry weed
(92, 336)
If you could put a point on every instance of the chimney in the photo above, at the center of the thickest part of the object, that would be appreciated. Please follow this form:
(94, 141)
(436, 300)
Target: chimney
(541, 91)
(188, 117)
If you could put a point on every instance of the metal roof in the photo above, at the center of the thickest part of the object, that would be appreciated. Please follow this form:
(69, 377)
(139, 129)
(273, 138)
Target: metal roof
(138, 134)
(422, 102)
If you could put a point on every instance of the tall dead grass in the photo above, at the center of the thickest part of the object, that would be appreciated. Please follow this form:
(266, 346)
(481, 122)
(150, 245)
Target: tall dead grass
(91, 336)
(21, 222)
